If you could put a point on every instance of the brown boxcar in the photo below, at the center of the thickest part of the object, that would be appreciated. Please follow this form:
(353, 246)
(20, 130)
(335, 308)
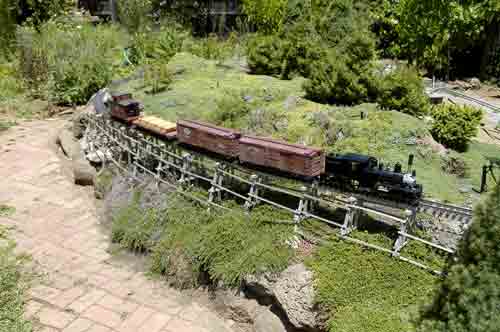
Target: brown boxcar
(294, 159)
(127, 110)
(220, 140)
(156, 125)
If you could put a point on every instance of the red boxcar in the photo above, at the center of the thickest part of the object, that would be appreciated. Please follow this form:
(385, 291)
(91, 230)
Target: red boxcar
(220, 140)
(290, 158)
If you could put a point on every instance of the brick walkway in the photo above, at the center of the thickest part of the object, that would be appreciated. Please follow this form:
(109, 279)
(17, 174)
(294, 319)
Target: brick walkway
(82, 287)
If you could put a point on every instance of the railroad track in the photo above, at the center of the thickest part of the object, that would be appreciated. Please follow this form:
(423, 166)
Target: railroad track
(449, 211)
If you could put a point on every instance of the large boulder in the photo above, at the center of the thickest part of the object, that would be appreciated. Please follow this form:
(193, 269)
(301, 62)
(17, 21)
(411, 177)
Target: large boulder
(266, 321)
(292, 291)
(79, 120)
(83, 173)
(68, 143)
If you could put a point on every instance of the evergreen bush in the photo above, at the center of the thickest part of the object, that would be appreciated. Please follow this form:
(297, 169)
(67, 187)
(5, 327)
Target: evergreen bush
(455, 125)
(403, 90)
(265, 55)
(469, 296)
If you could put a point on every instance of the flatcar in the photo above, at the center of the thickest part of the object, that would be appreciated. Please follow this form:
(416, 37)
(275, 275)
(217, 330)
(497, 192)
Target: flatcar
(353, 172)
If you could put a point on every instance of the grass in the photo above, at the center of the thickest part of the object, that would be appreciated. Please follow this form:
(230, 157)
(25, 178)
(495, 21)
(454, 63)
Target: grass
(13, 285)
(226, 95)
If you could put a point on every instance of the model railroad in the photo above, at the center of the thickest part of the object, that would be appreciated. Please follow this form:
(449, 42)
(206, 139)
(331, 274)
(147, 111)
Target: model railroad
(350, 172)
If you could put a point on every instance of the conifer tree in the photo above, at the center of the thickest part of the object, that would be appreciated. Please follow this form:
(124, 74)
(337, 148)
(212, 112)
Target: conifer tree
(469, 297)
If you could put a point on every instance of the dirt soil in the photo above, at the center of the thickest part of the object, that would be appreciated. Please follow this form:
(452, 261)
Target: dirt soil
(83, 287)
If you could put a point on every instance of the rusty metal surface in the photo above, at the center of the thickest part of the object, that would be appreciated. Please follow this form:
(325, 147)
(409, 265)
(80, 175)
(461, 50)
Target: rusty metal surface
(292, 158)
(211, 138)
(118, 96)
(127, 110)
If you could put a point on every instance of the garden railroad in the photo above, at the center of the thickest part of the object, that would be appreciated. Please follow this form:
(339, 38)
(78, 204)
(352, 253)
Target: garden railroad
(135, 154)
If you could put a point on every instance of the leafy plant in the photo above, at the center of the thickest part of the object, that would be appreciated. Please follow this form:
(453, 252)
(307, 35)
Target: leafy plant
(37, 12)
(455, 125)
(134, 14)
(403, 90)
(161, 45)
(468, 298)
(66, 63)
(266, 15)
(231, 109)
(157, 77)
(453, 163)
(8, 16)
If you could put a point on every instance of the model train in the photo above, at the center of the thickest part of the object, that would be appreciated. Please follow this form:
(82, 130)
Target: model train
(353, 172)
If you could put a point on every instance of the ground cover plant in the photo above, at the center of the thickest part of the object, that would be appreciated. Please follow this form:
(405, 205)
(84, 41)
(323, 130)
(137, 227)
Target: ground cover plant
(13, 285)
(225, 245)
(364, 290)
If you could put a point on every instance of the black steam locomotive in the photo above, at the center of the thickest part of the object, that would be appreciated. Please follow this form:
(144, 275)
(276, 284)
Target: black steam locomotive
(360, 173)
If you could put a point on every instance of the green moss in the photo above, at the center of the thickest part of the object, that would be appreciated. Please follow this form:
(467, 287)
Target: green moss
(364, 290)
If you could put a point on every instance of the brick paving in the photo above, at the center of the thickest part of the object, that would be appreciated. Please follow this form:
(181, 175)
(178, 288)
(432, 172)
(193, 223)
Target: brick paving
(81, 288)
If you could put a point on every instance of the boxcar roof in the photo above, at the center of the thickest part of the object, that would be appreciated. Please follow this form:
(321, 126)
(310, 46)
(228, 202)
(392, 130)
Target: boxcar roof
(354, 157)
(219, 131)
(280, 145)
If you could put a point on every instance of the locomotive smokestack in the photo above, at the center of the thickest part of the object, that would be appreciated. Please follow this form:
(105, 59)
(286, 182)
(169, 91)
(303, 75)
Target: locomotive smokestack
(411, 157)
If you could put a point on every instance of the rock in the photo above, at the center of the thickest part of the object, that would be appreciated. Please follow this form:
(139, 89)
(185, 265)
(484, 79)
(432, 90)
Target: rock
(79, 123)
(83, 173)
(475, 83)
(100, 101)
(266, 321)
(99, 156)
(292, 291)
(291, 102)
(68, 143)
(248, 99)
(237, 308)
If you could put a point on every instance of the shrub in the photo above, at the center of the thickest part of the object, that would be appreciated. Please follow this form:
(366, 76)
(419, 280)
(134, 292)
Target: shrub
(157, 77)
(455, 125)
(231, 109)
(211, 47)
(134, 14)
(403, 90)
(265, 55)
(333, 82)
(8, 15)
(265, 15)
(37, 12)
(468, 298)
(147, 46)
(68, 63)
(453, 163)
